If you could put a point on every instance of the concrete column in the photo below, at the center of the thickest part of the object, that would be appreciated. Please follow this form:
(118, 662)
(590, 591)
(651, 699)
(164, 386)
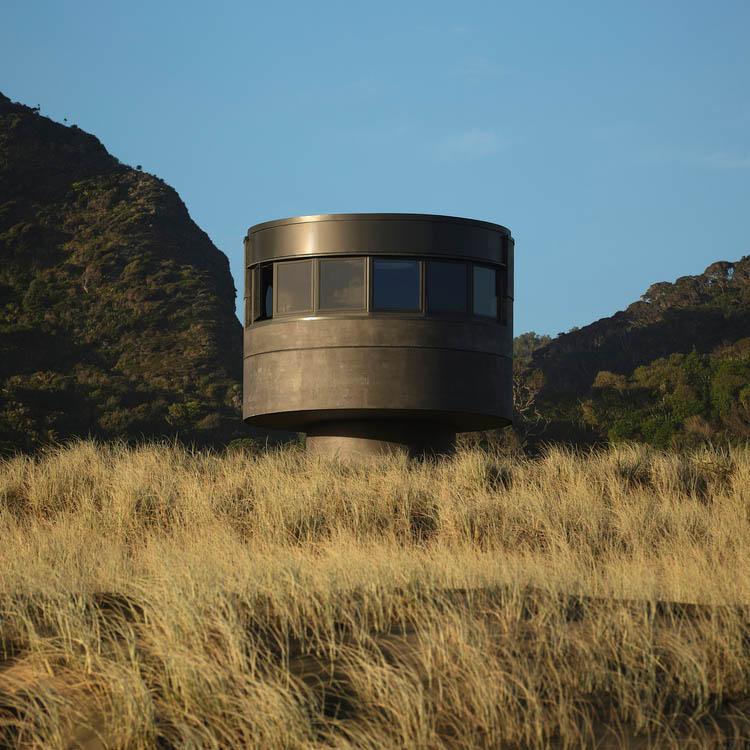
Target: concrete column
(381, 437)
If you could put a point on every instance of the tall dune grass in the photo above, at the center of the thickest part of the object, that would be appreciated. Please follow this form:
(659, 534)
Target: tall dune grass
(155, 597)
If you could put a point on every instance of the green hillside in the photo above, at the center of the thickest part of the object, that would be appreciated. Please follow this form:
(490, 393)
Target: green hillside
(672, 369)
(116, 310)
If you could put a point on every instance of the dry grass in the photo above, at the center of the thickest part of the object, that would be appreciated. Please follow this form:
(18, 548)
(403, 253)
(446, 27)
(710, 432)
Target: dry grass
(159, 598)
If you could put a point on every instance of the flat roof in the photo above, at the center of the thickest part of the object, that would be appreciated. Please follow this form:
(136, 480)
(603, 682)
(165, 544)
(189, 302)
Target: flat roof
(433, 218)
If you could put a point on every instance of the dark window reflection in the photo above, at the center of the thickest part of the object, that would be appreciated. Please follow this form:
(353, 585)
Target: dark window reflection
(485, 291)
(395, 285)
(263, 292)
(342, 284)
(503, 295)
(446, 286)
(251, 293)
(294, 287)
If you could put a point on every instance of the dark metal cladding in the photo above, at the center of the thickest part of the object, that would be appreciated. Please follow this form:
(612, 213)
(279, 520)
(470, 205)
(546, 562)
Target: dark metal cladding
(365, 380)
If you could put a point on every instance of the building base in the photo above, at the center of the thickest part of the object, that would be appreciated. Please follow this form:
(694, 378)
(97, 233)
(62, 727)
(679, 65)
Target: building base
(381, 437)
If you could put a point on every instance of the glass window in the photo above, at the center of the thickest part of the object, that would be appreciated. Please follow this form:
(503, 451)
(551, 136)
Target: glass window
(294, 287)
(485, 291)
(446, 286)
(503, 295)
(342, 284)
(395, 284)
(250, 282)
(263, 292)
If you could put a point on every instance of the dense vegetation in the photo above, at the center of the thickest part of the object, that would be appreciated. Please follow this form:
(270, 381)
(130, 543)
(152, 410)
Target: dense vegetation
(155, 597)
(673, 369)
(676, 400)
(116, 310)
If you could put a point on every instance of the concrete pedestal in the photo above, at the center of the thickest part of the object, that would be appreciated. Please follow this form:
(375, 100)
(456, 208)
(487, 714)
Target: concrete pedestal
(380, 437)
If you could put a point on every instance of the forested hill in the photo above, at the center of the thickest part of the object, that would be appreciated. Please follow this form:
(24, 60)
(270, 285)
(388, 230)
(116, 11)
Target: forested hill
(673, 367)
(117, 312)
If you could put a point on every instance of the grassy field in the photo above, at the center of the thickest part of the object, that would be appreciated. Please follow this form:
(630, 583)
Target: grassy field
(154, 597)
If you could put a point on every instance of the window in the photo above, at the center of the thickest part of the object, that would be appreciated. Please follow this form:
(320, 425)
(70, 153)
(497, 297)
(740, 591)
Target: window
(485, 291)
(395, 285)
(503, 295)
(262, 292)
(248, 296)
(339, 284)
(446, 286)
(342, 284)
(294, 287)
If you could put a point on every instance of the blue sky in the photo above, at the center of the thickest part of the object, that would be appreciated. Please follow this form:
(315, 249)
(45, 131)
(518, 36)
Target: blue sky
(612, 138)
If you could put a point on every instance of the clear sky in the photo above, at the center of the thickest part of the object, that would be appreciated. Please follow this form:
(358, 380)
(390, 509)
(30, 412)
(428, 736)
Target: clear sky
(612, 138)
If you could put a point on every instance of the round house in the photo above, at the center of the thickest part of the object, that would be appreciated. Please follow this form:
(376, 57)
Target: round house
(374, 332)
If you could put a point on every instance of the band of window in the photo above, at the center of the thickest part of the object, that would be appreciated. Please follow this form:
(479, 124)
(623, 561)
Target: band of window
(436, 287)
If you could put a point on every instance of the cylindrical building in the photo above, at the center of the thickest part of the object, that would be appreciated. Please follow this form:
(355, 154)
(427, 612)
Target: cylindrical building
(371, 332)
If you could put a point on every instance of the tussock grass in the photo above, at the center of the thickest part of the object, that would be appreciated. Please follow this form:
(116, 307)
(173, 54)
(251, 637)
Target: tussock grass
(160, 597)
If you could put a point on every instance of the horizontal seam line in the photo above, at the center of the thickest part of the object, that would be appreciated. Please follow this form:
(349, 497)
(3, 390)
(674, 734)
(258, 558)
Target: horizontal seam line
(378, 346)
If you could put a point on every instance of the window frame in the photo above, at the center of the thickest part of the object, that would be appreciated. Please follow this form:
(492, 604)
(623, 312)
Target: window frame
(307, 311)
(467, 311)
(365, 286)
(254, 280)
(420, 311)
(248, 297)
(502, 300)
(498, 292)
(257, 303)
